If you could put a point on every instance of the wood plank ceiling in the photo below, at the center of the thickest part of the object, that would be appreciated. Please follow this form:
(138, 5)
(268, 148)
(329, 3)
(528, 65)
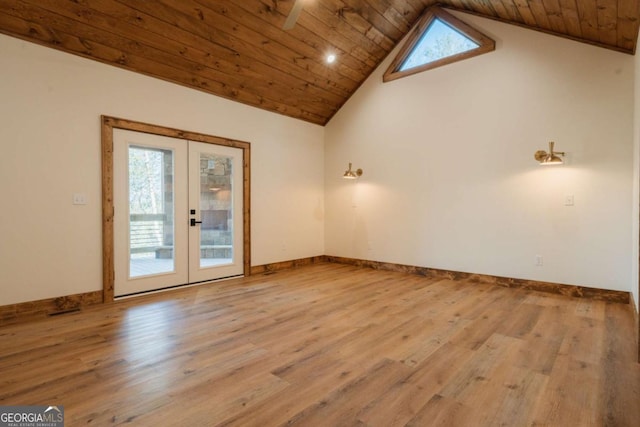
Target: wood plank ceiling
(238, 50)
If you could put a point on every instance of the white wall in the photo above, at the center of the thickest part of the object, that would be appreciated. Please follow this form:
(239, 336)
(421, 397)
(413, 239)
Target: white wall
(50, 107)
(449, 176)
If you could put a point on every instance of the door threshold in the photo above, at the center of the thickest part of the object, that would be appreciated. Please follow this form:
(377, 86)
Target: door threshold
(175, 287)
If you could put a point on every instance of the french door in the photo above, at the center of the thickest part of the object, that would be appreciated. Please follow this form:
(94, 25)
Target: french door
(177, 212)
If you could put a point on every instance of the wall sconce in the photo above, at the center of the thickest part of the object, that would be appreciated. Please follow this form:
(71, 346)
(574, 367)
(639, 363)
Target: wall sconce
(550, 158)
(349, 174)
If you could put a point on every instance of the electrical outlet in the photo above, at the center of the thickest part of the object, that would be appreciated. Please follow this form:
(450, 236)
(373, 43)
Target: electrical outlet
(538, 260)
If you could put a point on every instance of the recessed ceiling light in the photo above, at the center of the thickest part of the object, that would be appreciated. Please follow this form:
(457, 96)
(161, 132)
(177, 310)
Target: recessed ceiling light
(331, 58)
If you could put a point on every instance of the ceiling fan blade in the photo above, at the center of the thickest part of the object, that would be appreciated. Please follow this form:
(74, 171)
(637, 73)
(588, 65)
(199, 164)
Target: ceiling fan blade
(293, 15)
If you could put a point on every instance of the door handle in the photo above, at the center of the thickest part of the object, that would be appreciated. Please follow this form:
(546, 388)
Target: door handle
(194, 222)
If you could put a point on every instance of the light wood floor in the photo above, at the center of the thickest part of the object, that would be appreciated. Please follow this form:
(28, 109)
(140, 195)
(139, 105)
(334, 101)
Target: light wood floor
(329, 345)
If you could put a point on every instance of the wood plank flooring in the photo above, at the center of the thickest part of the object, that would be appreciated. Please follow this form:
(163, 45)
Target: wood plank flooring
(331, 345)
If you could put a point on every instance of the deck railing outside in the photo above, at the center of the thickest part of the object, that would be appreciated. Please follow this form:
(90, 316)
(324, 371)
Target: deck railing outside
(146, 232)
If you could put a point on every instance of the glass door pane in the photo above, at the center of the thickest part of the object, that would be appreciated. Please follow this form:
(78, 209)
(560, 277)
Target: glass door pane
(216, 210)
(216, 204)
(151, 211)
(150, 222)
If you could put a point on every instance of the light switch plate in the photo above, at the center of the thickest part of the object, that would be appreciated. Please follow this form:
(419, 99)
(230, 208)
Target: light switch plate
(79, 199)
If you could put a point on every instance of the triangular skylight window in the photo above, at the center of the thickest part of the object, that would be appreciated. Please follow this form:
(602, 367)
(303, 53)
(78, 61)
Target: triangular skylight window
(438, 39)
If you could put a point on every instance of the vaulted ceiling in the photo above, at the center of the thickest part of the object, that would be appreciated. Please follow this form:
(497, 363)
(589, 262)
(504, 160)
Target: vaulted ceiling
(238, 49)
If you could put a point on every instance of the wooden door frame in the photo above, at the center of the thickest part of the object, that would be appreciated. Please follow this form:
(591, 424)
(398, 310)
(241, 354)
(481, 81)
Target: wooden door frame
(110, 123)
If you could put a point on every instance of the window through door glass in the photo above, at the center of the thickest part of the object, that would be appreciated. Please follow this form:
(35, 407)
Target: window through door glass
(151, 211)
(216, 210)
